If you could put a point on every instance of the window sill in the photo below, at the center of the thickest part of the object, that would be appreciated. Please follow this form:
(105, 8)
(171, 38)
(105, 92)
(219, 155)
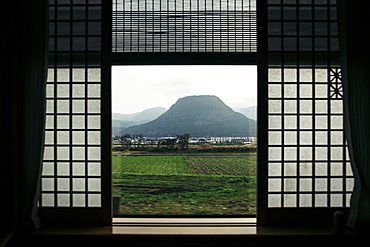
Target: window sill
(161, 233)
(185, 226)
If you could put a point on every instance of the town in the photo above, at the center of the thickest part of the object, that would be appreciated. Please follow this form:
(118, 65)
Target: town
(140, 139)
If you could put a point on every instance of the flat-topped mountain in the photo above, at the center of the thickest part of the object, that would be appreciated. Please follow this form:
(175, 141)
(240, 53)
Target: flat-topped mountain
(202, 115)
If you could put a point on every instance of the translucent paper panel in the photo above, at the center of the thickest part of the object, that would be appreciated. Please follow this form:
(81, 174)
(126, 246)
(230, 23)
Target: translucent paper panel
(307, 148)
(94, 200)
(73, 137)
(79, 200)
(72, 168)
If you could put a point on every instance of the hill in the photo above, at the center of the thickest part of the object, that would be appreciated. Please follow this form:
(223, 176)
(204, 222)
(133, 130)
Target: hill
(146, 115)
(149, 114)
(203, 115)
(119, 125)
(249, 112)
(122, 121)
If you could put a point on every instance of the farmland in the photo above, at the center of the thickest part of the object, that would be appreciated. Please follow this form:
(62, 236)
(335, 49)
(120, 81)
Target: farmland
(153, 165)
(186, 184)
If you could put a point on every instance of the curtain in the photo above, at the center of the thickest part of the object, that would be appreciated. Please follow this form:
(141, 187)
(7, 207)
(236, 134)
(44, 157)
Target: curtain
(23, 109)
(354, 25)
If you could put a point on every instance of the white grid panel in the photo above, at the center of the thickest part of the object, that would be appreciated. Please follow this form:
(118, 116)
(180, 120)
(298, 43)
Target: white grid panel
(308, 164)
(71, 175)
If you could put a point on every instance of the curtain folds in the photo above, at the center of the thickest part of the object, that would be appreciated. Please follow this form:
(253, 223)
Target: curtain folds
(354, 30)
(26, 58)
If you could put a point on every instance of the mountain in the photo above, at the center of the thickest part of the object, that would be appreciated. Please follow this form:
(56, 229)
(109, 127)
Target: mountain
(125, 124)
(249, 112)
(202, 115)
(124, 117)
(149, 114)
(122, 121)
(146, 115)
(118, 126)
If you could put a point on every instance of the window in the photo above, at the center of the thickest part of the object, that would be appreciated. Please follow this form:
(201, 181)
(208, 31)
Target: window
(184, 32)
(75, 179)
(302, 146)
(306, 163)
(214, 173)
(184, 26)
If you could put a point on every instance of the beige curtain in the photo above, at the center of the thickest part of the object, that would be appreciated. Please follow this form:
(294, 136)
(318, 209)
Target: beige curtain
(354, 27)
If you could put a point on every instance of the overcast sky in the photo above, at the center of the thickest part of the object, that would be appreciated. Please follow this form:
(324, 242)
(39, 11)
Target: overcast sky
(136, 88)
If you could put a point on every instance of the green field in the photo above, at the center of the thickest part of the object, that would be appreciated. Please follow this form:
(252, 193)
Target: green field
(186, 184)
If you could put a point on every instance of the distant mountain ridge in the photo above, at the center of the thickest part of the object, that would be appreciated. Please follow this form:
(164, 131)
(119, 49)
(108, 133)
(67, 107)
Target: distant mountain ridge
(146, 114)
(121, 121)
(201, 115)
(249, 112)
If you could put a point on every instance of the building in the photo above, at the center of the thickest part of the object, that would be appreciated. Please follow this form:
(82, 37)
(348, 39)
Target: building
(21, 27)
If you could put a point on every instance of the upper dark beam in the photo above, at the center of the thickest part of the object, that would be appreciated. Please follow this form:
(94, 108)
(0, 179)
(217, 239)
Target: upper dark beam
(184, 58)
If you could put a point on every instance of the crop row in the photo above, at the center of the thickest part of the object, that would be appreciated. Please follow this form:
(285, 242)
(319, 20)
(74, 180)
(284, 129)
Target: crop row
(183, 165)
(153, 165)
(224, 165)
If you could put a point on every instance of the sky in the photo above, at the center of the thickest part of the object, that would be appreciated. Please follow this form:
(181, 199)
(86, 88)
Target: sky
(136, 88)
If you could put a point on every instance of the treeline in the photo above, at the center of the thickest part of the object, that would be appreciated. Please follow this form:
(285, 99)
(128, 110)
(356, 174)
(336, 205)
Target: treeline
(196, 148)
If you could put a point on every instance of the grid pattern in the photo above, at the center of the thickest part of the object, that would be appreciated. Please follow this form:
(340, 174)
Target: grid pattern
(184, 26)
(308, 162)
(72, 169)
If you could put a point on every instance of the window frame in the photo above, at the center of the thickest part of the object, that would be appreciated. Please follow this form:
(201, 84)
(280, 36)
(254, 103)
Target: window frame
(284, 215)
(185, 58)
(82, 215)
(260, 58)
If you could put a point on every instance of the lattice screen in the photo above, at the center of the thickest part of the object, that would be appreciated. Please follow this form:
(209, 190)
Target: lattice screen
(184, 26)
(308, 163)
(72, 168)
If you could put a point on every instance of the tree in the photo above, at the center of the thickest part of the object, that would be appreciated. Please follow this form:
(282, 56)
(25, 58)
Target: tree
(170, 143)
(138, 139)
(184, 140)
(125, 140)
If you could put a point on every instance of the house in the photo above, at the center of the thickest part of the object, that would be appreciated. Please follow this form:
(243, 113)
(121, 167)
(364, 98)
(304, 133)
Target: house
(22, 28)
